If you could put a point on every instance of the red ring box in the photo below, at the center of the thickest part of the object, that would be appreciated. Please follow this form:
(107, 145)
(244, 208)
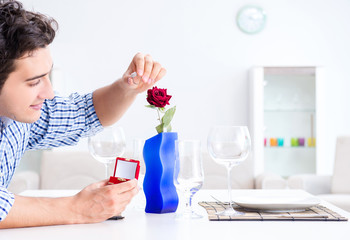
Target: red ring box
(125, 170)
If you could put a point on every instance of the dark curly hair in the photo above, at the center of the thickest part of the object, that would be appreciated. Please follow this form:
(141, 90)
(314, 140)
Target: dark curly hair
(21, 32)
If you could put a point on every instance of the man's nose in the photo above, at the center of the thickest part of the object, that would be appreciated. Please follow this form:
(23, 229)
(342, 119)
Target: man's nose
(47, 91)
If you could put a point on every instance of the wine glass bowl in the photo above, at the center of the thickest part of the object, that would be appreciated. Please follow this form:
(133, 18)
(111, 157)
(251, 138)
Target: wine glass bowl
(107, 145)
(229, 146)
(228, 152)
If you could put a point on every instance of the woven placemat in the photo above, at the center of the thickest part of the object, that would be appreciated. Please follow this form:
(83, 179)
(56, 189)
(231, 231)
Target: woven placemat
(316, 213)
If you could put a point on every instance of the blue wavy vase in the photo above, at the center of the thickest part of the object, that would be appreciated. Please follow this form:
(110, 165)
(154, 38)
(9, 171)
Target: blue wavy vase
(159, 155)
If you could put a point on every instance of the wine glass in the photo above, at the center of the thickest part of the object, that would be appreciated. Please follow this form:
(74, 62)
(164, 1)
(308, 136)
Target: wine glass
(138, 155)
(107, 145)
(229, 146)
(188, 176)
(138, 144)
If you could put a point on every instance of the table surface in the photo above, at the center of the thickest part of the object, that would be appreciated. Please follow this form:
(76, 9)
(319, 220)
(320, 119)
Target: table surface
(140, 225)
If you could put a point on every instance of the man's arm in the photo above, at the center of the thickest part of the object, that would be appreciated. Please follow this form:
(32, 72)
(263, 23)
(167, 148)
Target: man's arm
(95, 203)
(112, 101)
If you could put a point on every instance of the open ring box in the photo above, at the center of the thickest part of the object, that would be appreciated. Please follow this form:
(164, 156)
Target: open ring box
(124, 170)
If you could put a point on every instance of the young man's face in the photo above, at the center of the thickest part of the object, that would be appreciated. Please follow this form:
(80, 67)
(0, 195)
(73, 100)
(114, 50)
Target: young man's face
(26, 88)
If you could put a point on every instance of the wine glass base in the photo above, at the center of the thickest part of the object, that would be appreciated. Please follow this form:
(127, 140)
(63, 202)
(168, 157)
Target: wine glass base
(189, 215)
(230, 212)
(140, 201)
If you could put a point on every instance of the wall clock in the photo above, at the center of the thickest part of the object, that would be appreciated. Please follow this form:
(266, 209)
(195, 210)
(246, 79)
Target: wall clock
(251, 19)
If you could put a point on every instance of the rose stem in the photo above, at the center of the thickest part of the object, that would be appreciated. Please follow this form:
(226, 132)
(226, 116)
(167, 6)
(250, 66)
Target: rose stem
(159, 116)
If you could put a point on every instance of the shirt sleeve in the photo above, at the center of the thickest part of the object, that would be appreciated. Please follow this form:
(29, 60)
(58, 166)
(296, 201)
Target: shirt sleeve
(64, 121)
(6, 201)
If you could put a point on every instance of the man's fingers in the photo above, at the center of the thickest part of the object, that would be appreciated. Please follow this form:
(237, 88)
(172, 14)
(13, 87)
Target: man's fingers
(148, 72)
(134, 79)
(126, 197)
(160, 75)
(155, 71)
(125, 186)
(147, 69)
(139, 61)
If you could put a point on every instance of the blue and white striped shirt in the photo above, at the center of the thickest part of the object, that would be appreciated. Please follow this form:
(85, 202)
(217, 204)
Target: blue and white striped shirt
(63, 121)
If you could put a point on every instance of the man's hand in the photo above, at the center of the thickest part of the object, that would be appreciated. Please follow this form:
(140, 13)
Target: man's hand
(112, 101)
(100, 201)
(95, 203)
(148, 72)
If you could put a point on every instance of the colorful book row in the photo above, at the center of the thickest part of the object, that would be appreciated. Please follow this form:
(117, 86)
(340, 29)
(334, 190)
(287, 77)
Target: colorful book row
(294, 142)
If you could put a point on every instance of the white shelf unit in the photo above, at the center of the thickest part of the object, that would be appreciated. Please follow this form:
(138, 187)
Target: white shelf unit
(286, 103)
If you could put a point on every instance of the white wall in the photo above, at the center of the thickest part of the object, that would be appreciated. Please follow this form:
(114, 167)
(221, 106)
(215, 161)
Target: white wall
(206, 55)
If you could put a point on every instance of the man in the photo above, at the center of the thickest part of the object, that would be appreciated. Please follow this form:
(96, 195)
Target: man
(33, 118)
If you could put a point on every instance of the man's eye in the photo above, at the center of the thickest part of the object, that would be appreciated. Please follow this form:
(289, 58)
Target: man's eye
(34, 83)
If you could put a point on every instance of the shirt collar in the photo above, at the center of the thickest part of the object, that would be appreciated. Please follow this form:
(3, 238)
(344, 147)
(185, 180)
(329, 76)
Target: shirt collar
(5, 122)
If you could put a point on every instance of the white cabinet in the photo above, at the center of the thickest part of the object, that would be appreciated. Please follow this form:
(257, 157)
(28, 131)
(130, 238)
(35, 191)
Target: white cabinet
(286, 120)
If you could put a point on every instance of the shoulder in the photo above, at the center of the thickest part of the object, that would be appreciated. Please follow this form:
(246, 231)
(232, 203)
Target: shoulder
(72, 103)
(72, 99)
(17, 135)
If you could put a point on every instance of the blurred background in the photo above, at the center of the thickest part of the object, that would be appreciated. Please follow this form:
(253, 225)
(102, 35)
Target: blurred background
(207, 56)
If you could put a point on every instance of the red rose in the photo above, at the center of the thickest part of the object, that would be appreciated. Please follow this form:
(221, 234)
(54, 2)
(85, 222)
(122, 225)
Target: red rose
(158, 97)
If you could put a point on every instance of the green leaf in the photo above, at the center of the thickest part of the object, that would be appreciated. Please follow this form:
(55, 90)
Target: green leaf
(150, 106)
(160, 128)
(168, 116)
(168, 128)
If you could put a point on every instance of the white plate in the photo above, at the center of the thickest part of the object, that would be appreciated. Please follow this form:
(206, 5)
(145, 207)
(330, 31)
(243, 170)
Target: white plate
(276, 203)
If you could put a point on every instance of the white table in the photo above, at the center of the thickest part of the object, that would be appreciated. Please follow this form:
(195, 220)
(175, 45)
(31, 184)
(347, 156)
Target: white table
(140, 225)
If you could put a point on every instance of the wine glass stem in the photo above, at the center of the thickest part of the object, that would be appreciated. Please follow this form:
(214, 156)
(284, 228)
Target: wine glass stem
(229, 184)
(188, 197)
(106, 170)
